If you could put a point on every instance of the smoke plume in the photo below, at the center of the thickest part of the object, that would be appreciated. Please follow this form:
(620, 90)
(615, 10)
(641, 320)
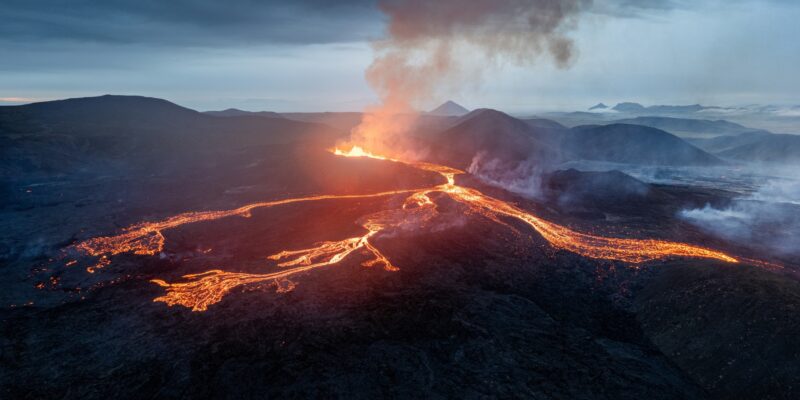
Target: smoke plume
(523, 177)
(766, 219)
(436, 47)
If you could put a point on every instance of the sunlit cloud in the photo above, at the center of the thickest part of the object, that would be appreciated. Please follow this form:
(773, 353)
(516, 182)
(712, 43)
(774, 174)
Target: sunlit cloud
(17, 100)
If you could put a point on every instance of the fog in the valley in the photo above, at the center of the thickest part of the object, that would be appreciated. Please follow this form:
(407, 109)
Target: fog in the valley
(768, 217)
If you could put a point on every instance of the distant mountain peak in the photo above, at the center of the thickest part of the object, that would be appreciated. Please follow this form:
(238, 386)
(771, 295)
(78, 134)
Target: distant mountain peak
(628, 107)
(489, 114)
(235, 112)
(634, 108)
(598, 106)
(120, 105)
(449, 109)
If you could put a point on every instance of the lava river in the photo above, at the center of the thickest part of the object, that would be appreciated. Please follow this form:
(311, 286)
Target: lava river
(199, 291)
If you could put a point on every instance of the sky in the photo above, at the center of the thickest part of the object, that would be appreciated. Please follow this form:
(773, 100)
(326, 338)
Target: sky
(310, 55)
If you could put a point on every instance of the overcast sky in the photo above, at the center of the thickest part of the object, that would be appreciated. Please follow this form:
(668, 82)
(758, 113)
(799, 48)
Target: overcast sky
(306, 55)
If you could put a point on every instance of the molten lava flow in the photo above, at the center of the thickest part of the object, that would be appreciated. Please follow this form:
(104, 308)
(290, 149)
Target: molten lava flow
(357, 151)
(592, 246)
(146, 238)
(204, 289)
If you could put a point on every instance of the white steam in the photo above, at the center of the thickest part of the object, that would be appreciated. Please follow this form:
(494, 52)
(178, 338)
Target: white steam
(524, 178)
(768, 218)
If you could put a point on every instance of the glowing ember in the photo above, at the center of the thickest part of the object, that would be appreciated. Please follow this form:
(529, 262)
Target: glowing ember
(101, 263)
(202, 290)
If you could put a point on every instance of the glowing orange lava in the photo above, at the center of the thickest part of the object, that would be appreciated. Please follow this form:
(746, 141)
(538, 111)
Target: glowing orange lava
(210, 287)
(358, 151)
(146, 238)
(202, 290)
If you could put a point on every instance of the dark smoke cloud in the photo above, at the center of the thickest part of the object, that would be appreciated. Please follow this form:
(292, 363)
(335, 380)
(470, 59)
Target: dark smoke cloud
(211, 23)
(517, 28)
(436, 48)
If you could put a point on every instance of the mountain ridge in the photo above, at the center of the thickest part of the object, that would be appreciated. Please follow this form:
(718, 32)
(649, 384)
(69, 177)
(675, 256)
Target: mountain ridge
(449, 109)
(634, 144)
(235, 112)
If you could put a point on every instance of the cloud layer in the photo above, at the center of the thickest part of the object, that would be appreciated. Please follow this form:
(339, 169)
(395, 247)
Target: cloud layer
(768, 218)
(189, 22)
(311, 54)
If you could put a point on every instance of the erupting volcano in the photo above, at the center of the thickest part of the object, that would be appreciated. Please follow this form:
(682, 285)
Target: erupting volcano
(399, 199)
(199, 291)
(281, 208)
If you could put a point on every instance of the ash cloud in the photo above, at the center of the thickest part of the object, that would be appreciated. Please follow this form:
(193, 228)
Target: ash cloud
(437, 47)
(210, 22)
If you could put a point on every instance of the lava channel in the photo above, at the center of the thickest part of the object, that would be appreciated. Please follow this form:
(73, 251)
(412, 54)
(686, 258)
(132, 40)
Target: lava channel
(199, 291)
